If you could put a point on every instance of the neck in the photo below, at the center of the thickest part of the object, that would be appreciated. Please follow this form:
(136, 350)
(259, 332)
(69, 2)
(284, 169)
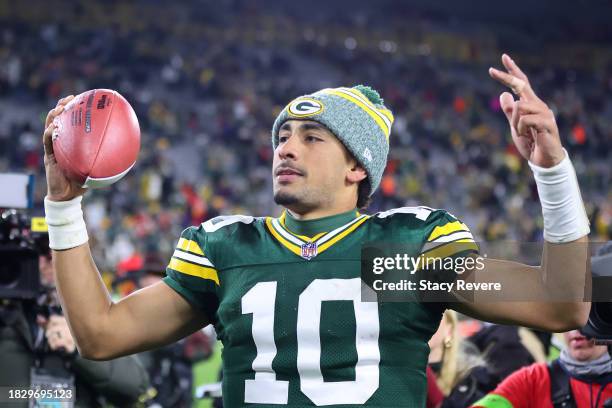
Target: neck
(302, 214)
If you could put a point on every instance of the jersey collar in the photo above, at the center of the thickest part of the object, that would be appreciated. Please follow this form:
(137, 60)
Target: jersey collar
(309, 229)
(311, 237)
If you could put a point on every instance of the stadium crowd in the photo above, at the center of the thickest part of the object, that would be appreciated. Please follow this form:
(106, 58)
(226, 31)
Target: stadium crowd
(206, 85)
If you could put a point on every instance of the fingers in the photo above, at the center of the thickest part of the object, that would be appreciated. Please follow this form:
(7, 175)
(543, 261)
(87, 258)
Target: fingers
(514, 79)
(506, 101)
(48, 139)
(56, 321)
(58, 334)
(515, 109)
(518, 86)
(513, 68)
(541, 122)
(59, 342)
(58, 109)
(50, 123)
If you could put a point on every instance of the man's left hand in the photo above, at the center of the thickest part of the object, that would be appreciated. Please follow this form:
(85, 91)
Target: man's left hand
(532, 123)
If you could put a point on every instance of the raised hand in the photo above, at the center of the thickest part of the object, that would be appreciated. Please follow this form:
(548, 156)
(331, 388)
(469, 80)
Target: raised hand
(532, 123)
(59, 187)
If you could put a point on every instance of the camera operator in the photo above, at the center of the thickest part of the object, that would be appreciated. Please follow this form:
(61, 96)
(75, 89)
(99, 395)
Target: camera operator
(37, 348)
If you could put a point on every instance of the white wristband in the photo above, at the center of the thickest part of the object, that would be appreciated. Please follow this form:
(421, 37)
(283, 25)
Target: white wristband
(564, 215)
(66, 224)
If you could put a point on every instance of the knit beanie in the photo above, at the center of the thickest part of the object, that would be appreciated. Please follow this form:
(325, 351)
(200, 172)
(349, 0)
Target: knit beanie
(357, 116)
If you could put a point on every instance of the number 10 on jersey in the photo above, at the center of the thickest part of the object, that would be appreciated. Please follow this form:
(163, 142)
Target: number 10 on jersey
(260, 301)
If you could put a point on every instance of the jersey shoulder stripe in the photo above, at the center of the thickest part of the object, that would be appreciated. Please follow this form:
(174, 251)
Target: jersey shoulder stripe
(189, 246)
(448, 237)
(447, 231)
(194, 270)
(188, 258)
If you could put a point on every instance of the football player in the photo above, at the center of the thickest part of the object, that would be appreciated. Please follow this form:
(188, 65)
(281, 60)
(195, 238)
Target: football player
(285, 294)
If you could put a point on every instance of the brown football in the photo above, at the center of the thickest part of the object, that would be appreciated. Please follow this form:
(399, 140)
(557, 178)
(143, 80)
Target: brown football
(97, 138)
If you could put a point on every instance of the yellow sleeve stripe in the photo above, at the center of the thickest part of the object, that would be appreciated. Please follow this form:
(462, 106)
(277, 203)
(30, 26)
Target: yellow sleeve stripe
(447, 229)
(194, 270)
(453, 236)
(451, 248)
(190, 246)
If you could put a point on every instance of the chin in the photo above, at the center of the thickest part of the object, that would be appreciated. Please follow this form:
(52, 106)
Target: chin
(285, 198)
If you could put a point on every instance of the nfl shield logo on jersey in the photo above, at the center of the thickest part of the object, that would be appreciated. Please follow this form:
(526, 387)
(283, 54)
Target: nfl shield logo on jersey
(309, 250)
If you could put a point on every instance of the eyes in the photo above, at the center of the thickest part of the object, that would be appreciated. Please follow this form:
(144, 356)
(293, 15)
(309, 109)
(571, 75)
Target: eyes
(307, 138)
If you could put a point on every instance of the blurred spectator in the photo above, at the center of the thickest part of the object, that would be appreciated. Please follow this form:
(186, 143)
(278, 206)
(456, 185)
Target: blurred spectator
(580, 378)
(460, 371)
(508, 348)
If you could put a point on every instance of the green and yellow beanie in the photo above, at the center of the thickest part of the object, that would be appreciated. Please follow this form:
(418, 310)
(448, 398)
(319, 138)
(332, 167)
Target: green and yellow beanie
(357, 116)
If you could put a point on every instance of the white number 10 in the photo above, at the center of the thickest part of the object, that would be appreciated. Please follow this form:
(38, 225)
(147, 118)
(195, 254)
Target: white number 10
(266, 389)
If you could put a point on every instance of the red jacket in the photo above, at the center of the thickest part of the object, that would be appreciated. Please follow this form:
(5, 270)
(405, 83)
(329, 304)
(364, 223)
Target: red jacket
(529, 387)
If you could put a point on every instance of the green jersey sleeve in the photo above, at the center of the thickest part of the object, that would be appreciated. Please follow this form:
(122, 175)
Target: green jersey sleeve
(192, 273)
(448, 251)
(447, 237)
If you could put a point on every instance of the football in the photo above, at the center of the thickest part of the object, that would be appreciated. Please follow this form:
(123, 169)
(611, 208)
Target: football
(97, 138)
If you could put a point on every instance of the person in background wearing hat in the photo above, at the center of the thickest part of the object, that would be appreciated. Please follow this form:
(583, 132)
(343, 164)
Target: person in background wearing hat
(285, 294)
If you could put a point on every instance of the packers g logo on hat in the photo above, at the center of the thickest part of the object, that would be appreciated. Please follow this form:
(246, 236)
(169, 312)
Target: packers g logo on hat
(303, 107)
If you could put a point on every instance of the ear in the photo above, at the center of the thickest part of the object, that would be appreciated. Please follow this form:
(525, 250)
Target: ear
(356, 173)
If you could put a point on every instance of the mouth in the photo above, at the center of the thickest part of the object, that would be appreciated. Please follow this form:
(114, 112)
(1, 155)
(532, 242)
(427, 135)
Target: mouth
(579, 341)
(285, 174)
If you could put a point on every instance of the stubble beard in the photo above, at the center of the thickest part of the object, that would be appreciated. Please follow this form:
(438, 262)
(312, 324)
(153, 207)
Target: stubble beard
(301, 201)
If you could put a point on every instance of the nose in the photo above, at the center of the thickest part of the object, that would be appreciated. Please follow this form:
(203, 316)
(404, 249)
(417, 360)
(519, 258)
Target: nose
(289, 148)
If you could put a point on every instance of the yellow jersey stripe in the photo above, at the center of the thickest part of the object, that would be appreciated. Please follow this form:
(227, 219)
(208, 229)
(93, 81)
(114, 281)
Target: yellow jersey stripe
(381, 123)
(447, 229)
(194, 270)
(451, 248)
(290, 246)
(190, 246)
(342, 235)
(281, 220)
(304, 237)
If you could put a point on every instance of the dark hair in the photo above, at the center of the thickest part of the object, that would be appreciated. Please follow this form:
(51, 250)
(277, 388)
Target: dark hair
(363, 194)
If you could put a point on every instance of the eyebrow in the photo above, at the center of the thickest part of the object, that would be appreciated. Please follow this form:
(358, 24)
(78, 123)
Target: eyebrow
(304, 126)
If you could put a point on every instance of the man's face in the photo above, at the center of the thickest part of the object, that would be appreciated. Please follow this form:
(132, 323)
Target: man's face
(310, 166)
(582, 349)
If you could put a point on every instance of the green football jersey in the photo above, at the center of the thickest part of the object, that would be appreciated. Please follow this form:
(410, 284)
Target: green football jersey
(285, 299)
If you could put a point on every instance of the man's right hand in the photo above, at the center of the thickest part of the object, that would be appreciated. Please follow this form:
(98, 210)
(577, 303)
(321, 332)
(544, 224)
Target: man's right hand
(59, 187)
